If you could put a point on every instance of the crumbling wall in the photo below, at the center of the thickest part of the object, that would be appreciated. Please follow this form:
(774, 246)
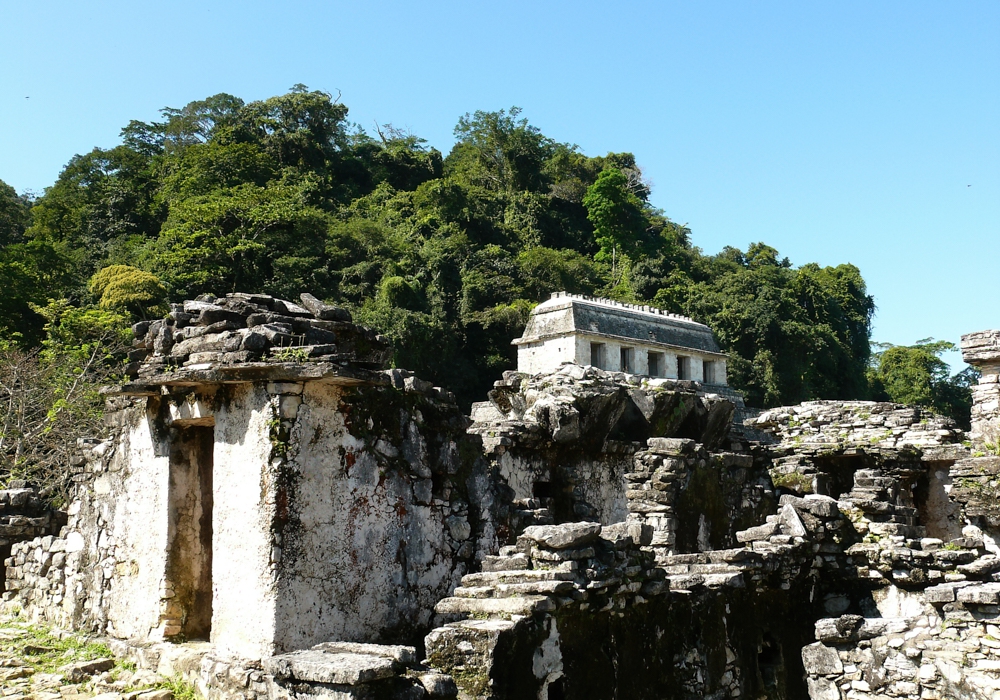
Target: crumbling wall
(112, 539)
(583, 611)
(24, 515)
(385, 506)
(982, 350)
(563, 442)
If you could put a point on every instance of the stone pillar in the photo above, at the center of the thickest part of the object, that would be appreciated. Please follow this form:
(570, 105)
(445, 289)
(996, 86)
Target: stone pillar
(982, 350)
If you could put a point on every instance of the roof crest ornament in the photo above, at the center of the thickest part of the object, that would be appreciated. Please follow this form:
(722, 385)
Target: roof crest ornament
(611, 303)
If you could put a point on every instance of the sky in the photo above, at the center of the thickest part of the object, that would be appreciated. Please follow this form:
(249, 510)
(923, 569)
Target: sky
(836, 132)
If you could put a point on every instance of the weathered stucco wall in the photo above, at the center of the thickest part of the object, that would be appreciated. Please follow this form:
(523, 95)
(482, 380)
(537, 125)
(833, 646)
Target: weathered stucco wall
(379, 525)
(131, 496)
(245, 501)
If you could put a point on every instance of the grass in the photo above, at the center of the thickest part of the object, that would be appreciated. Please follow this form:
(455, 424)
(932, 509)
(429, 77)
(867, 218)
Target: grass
(181, 689)
(47, 652)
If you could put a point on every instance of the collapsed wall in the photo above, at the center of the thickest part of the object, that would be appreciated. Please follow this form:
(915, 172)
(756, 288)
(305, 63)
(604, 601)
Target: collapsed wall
(271, 488)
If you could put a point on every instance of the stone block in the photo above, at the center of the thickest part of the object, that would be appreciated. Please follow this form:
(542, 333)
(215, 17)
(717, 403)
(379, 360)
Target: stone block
(671, 446)
(323, 311)
(821, 660)
(981, 347)
(985, 594)
(438, 685)
(761, 532)
(77, 672)
(565, 536)
(405, 655)
(317, 666)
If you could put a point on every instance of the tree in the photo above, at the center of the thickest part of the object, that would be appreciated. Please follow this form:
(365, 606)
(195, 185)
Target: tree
(129, 289)
(791, 334)
(15, 215)
(499, 152)
(617, 215)
(49, 395)
(916, 375)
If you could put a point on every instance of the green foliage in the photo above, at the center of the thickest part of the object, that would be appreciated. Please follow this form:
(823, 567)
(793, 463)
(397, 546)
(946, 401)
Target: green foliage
(50, 395)
(916, 375)
(617, 214)
(130, 289)
(31, 272)
(15, 215)
(793, 334)
(445, 255)
(48, 652)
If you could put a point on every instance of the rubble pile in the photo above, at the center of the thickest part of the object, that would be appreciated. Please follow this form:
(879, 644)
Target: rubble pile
(590, 406)
(244, 328)
(856, 423)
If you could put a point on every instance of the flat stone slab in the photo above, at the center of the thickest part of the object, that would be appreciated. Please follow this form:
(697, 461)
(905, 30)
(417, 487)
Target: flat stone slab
(401, 654)
(337, 668)
(520, 605)
(563, 536)
(985, 594)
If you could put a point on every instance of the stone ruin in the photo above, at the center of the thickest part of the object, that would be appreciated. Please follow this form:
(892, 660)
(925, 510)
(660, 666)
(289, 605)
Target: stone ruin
(276, 515)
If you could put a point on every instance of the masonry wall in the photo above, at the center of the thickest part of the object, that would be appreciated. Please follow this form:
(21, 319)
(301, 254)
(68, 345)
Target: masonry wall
(382, 515)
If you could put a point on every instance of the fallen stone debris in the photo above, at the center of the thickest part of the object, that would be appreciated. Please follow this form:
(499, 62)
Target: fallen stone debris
(38, 665)
(277, 515)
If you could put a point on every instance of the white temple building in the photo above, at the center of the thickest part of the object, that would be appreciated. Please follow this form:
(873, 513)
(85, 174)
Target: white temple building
(618, 337)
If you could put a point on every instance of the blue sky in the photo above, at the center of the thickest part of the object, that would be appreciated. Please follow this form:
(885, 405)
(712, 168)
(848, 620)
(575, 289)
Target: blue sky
(836, 132)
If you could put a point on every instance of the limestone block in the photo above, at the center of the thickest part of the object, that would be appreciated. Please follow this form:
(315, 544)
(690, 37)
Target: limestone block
(821, 660)
(401, 654)
(985, 594)
(77, 672)
(761, 532)
(323, 311)
(670, 446)
(565, 536)
(317, 666)
(438, 685)
(981, 347)
(791, 523)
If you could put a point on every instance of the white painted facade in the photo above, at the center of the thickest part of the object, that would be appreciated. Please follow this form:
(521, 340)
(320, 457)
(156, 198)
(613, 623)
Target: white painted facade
(619, 338)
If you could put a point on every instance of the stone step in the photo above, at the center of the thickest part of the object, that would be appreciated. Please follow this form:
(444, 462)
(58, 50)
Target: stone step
(515, 562)
(508, 590)
(474, 592)
(493, 578)
(713, 569)
(525, 605)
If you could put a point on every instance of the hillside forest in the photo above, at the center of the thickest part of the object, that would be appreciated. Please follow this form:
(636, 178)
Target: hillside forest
(444, 253)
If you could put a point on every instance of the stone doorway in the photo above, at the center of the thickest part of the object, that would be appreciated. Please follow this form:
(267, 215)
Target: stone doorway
(188, 589)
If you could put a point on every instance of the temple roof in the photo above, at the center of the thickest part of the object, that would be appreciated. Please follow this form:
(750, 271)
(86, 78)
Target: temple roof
(565, 314)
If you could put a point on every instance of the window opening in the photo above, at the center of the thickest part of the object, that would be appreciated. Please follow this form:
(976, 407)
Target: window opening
(683, 367)
(655, 364)
(626, 361)
(709, 372)
(597, 355)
